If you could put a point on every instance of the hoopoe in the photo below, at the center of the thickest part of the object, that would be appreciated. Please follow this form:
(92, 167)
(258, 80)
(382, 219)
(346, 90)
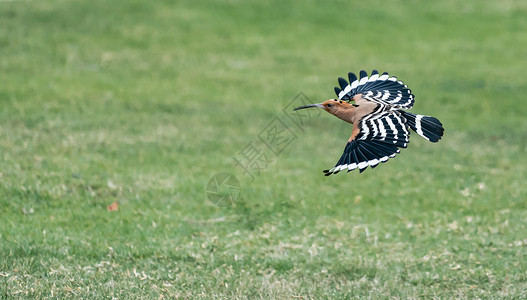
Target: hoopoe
(375, 106)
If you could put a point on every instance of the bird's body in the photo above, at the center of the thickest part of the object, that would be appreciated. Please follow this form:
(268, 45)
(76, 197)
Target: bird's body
(375, 106)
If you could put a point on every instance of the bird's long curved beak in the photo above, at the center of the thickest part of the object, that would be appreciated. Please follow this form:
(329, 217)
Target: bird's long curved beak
(308, 106)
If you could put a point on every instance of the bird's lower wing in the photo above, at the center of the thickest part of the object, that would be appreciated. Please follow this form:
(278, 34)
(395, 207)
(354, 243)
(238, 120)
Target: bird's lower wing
(379, 139)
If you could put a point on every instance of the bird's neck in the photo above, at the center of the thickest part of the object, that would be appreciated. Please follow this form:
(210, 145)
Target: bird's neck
(346, 114)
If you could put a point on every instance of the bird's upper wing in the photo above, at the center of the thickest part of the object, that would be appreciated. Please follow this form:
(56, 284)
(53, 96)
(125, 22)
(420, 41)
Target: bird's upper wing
(380, 137)
(378, 88)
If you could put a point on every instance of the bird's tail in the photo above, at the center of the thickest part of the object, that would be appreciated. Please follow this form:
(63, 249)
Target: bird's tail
(426, 126)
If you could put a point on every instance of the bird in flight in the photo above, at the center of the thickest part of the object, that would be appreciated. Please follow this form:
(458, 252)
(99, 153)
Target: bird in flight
(376, 105)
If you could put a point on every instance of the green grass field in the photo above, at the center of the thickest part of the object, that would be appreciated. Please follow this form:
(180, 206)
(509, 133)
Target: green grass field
(143, 102)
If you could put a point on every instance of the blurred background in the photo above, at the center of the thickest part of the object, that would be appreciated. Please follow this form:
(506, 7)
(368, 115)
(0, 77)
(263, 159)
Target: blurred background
(143, 103)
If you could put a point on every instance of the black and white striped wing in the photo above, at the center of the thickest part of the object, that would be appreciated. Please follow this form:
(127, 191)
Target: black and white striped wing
(383, 89)
(380, 137)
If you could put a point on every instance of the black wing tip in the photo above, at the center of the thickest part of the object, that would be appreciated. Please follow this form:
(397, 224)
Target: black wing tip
(363, 74)
(343, 83)
(352, 77)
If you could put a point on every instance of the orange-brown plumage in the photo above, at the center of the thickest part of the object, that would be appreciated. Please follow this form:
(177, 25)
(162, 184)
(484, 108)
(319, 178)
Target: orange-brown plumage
(348, 112)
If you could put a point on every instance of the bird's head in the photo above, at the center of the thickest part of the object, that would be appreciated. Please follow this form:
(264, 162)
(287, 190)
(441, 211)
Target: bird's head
(335, 107)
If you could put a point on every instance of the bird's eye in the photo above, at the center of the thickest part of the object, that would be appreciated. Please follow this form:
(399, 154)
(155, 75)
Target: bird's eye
(329, 105)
